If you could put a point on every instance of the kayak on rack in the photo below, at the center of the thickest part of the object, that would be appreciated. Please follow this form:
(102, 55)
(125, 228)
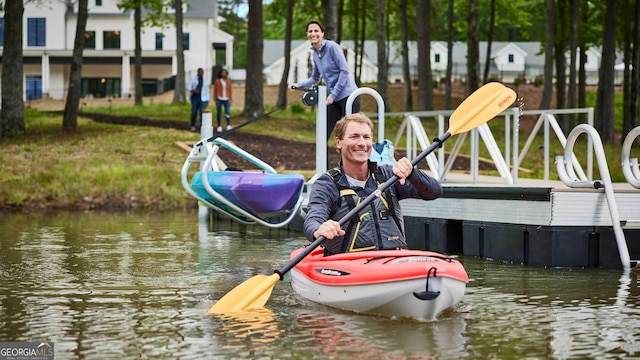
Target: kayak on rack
(395, 283)
(259, 195)
(257, 192)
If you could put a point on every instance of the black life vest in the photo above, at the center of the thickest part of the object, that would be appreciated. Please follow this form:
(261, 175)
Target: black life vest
(377, 227)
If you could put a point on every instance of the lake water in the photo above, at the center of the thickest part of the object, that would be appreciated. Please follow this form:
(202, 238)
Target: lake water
(105, 286)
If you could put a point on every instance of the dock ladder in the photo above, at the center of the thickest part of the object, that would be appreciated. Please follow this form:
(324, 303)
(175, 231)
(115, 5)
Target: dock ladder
(565, 166)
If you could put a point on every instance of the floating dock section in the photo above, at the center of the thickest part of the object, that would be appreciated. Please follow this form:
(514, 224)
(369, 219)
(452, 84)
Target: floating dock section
(542, 223)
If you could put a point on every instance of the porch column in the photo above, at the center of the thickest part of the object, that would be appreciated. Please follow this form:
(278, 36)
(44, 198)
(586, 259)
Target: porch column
(229, 55)
(46, 74)
(126, 76)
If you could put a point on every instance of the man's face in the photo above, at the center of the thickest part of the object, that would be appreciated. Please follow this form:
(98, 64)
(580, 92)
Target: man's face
(356, 144)
(200, 72)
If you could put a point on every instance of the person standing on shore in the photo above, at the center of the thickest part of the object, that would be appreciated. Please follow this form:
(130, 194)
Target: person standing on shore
(199, 96)
(223, 94)
(330, 63)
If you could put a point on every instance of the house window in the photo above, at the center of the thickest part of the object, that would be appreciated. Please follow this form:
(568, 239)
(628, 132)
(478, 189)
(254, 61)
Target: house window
(185, 41)
(100, 87)
(111, 39)
(98, 2)
(437, 58)
(1, 31)
(159, 41)
(511, 58)
(90, 40)
(36, 31)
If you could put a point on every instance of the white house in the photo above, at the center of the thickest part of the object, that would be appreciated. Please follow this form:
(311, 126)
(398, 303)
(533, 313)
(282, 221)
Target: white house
(508, 60)
(108, 57)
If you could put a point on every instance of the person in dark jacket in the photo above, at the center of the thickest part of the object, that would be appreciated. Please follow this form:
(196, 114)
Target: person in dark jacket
(380, 225)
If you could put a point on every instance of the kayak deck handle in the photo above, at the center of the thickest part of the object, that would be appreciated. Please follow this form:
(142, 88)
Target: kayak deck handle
(428, 295)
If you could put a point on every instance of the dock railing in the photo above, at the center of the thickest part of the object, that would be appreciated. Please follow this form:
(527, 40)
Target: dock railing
(440, 165)
(507, 157)
(547, 120)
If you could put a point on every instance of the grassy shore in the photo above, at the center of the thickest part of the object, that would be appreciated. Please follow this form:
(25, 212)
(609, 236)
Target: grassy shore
(102, 167)
(116, 167)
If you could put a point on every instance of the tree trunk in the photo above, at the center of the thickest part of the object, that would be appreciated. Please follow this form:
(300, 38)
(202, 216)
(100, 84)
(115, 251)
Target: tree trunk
(253, 105)
(561, 61)
(340, 13)
(630, 27)
(473, 51)
(284, 81)
(626, 80)
(447, 96)
(582, 72)
(137, 62)
(355, 7)
(635, 71)
(406, 71)
(582, 84)
(383, 72)
(12, 119)
(425, 82)
(179, 93)
(362, 38)
(606, 86)
(330, 21)
(492, 24)
(574, 20)
(545, 103)
(70, 118)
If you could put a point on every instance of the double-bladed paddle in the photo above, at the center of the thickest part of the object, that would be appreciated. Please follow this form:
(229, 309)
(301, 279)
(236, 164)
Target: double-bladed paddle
(481, 106)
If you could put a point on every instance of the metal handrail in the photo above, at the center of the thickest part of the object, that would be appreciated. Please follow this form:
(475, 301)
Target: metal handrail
(630, 166)
(568, 177)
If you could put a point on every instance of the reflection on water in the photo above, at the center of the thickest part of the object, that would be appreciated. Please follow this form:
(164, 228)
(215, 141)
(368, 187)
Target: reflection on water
(132, 285)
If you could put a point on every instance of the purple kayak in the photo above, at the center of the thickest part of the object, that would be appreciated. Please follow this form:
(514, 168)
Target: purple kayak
(258, 193)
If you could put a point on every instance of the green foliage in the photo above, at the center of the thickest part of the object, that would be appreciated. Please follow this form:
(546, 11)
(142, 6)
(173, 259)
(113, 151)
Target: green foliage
(154, 11)
(515, 20)
(235, 25)
(303, 11)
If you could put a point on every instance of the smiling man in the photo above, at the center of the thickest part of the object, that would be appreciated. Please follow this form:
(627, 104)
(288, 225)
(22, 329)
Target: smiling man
(380, 225)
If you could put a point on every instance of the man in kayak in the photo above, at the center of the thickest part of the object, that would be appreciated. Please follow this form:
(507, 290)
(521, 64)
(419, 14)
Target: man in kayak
(380, 226)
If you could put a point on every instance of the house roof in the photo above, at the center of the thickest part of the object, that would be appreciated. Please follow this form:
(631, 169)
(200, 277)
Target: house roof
(200, 9)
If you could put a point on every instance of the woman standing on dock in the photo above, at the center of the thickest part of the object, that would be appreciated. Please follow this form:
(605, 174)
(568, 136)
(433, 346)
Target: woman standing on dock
(330, 63)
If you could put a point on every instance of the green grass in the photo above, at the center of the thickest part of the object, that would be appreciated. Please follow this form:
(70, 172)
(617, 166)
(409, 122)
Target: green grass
(101, 165)
(139, 167)
(298, 123)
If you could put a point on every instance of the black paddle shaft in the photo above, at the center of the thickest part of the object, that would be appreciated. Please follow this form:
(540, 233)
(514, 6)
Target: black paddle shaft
(387, 184)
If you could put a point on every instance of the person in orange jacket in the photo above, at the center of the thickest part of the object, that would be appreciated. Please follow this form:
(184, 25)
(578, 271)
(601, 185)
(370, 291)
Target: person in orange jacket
(223, 94)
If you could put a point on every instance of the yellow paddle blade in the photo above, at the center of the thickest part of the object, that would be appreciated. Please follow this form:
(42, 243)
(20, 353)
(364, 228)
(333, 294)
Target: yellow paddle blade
(251, 294)
(481, 106)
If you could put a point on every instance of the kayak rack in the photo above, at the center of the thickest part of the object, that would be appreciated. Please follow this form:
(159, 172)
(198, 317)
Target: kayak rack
(205, 152)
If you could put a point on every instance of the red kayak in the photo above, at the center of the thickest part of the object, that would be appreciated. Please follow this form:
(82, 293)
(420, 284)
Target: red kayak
(396, 283)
